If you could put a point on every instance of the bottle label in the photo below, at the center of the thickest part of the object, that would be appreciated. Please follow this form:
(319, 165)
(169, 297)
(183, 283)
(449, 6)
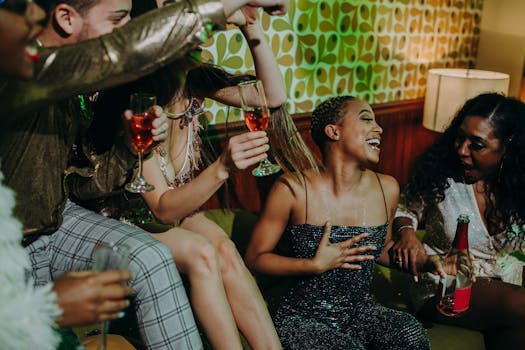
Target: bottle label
(462, 299)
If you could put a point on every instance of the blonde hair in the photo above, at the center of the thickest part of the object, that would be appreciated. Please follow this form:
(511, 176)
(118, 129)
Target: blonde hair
(287, 145)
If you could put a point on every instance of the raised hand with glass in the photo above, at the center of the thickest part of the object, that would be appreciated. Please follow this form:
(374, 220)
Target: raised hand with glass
(256, 117)
(141, 124)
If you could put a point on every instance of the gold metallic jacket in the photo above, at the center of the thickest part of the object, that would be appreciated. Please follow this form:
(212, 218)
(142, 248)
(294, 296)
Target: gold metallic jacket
(40, 124)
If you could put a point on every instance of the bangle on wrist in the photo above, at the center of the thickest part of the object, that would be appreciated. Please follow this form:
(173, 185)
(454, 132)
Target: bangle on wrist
(398, 231)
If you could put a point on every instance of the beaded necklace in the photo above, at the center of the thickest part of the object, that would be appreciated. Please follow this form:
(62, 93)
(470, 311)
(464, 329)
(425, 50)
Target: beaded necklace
(188, 118)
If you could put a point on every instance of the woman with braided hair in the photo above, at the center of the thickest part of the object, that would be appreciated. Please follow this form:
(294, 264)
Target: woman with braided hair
(329, 306)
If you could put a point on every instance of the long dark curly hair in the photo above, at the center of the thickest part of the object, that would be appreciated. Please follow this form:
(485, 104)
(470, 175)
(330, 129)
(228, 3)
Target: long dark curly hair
(507, 187)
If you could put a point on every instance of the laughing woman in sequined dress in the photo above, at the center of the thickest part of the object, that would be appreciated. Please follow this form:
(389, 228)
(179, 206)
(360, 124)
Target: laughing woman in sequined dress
(329, 306)
(477, 168)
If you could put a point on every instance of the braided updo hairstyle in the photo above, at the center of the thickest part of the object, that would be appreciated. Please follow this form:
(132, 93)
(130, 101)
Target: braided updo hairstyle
(330, 111)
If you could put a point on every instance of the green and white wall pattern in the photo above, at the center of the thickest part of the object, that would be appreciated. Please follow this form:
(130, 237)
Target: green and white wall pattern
(377, 50)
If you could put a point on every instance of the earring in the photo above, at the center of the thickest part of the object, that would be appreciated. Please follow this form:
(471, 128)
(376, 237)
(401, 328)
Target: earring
(500, 170)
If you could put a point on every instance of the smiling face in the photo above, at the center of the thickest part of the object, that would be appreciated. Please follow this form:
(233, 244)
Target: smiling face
(70, 23)
(105, 16)
(359, 133)
(480, 152)
(18, 32)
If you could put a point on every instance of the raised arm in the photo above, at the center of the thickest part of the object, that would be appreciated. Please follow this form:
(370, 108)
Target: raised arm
(266, 67)
(115, 58)
(122, 55)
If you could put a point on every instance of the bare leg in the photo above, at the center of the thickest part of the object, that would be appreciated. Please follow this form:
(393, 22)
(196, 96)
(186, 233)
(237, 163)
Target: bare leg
(246, 301)
(496, 308)
(196, 257)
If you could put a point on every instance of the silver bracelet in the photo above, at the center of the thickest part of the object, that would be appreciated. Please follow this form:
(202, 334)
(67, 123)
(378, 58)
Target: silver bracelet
(404, 227)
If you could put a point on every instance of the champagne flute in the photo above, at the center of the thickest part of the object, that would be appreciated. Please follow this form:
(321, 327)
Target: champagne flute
(109, 256)
(256, 114)
(141, 138)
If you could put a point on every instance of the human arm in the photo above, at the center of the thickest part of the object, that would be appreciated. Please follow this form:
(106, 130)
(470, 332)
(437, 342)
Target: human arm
(272, 7)
(87, 297)
(112, 163)
(408, 251)
(122, 55)
(395, 252)
(171, 205)
(260, 255)
(266, 66)
(268, 230)
(390, 189)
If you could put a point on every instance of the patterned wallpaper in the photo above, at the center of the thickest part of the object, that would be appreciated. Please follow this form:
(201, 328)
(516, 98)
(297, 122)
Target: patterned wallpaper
(377, 50)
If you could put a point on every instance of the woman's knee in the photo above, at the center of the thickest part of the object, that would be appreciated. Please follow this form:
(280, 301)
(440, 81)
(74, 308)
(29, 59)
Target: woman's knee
(231, 260)
(202, 259)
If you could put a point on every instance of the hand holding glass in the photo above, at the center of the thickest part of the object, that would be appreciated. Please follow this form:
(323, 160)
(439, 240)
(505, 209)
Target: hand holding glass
(256, 117)
(109, 256)
(141, 125)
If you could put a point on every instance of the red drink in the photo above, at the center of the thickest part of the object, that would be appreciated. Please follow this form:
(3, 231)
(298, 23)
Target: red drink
(141, 137)
(256, 119)
(455, 288)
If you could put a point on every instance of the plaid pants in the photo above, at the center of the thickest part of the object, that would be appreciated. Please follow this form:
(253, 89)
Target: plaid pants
(163, 311)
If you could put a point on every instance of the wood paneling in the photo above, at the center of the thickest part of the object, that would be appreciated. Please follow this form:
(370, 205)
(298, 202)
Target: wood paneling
(403, 140)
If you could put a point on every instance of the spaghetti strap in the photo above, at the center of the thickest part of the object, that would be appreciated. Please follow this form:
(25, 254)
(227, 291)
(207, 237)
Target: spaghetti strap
(306, 199)
(384, 198)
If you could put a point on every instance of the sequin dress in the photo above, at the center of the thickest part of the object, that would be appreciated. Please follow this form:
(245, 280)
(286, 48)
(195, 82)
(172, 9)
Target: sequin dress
(334, 310)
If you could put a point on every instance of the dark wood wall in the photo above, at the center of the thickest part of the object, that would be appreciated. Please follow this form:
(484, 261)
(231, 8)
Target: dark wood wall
(403, 140)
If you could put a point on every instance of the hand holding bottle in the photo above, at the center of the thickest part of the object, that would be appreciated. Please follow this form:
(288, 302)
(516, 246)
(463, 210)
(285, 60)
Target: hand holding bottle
(455, 287)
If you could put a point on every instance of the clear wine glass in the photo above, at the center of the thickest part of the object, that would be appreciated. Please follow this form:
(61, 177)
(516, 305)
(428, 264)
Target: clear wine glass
(141, 125)
(109, 256)
(256, 117)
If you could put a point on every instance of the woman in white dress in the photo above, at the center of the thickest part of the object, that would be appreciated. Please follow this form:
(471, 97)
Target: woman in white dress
(475, 168)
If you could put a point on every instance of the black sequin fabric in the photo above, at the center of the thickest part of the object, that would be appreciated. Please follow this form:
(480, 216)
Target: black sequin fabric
(334, 310)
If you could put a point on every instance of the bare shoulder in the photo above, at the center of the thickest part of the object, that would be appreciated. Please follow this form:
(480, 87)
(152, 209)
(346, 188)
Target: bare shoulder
(390, 186)
(388, 181)
(292, 182)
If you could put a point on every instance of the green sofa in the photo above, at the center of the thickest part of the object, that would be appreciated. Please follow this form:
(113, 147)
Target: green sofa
(389, 286)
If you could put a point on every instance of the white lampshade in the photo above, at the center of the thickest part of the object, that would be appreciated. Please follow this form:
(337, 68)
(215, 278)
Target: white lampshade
(449, 88)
